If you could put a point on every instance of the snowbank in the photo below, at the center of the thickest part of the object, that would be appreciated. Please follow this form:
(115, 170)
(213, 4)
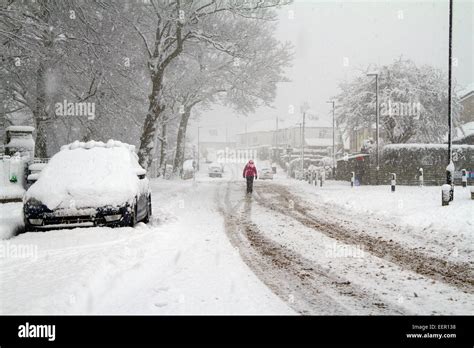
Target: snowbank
(11, 219)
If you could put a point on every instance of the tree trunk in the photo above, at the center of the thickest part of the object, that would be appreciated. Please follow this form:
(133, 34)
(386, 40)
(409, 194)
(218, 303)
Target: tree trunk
(180, 143)
(40, 114)
(164, 149)
(155, 110)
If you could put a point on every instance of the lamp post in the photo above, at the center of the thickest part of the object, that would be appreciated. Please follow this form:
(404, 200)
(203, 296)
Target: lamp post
(333, 142)
(376, 121)
(299, 124)
(303, 108)
(198, 149)
(302, 143)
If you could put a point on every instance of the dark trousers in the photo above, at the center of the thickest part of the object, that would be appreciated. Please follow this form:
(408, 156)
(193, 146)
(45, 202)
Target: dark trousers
(249, 184)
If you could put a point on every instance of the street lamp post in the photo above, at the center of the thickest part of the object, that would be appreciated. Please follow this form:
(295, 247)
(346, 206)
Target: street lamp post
(302, 144)
(376, 121)
(198, 149)
(300, 124)
(333, 141)
(303, 108)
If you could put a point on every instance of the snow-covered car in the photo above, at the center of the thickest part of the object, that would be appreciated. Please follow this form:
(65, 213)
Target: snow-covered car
(89, 184)
(266, 173)
(215, 170)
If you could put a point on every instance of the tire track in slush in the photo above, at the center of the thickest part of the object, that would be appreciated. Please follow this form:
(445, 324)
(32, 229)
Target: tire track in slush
(302, 284)
(459, 275)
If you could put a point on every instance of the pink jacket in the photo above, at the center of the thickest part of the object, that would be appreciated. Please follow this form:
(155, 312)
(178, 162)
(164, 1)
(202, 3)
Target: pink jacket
(250, 170)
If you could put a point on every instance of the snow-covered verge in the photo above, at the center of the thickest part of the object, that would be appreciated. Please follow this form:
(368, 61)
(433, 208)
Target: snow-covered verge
(443, 231)
(181, 263)
(11, 192)
(11, 219)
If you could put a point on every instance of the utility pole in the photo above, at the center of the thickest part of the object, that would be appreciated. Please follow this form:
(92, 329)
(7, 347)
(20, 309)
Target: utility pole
(302, 145)
(300, 124)
(376, 121)
(303, 108)
(333, 141)
(450, 168)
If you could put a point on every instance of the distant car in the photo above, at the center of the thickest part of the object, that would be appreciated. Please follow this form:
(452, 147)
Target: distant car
(215, 170)
(266, 173)
(89, 184)
(188, 169)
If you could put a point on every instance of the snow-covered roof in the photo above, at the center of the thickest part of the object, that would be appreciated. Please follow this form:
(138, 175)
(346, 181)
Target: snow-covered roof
(318, 141)
(213, 135)
(20, 129)
(466, 91)
(464, 130)
(290, 121)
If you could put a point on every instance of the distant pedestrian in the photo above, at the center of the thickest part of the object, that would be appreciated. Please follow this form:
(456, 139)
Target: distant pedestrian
(249, 173)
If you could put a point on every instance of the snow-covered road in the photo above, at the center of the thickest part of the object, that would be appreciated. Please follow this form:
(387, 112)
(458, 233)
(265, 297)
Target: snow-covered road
(325, 265)
(210, 249)
(181, 263)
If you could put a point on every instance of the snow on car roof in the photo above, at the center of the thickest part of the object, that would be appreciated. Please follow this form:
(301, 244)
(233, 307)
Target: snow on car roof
(88, 175)
(91, 144)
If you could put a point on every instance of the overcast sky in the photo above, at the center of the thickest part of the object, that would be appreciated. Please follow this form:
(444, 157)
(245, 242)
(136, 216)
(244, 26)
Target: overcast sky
(334, 39)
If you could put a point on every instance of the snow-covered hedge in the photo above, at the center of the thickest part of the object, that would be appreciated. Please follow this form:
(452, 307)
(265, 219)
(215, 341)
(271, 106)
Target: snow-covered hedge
(405, 160)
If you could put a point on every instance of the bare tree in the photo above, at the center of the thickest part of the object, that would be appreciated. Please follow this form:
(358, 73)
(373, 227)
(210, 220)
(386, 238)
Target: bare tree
(177, 23)
(413, 102)
(206, 76)
(69, 50)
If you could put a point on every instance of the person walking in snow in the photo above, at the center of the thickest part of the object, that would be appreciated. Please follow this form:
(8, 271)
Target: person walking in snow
(250, 172)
